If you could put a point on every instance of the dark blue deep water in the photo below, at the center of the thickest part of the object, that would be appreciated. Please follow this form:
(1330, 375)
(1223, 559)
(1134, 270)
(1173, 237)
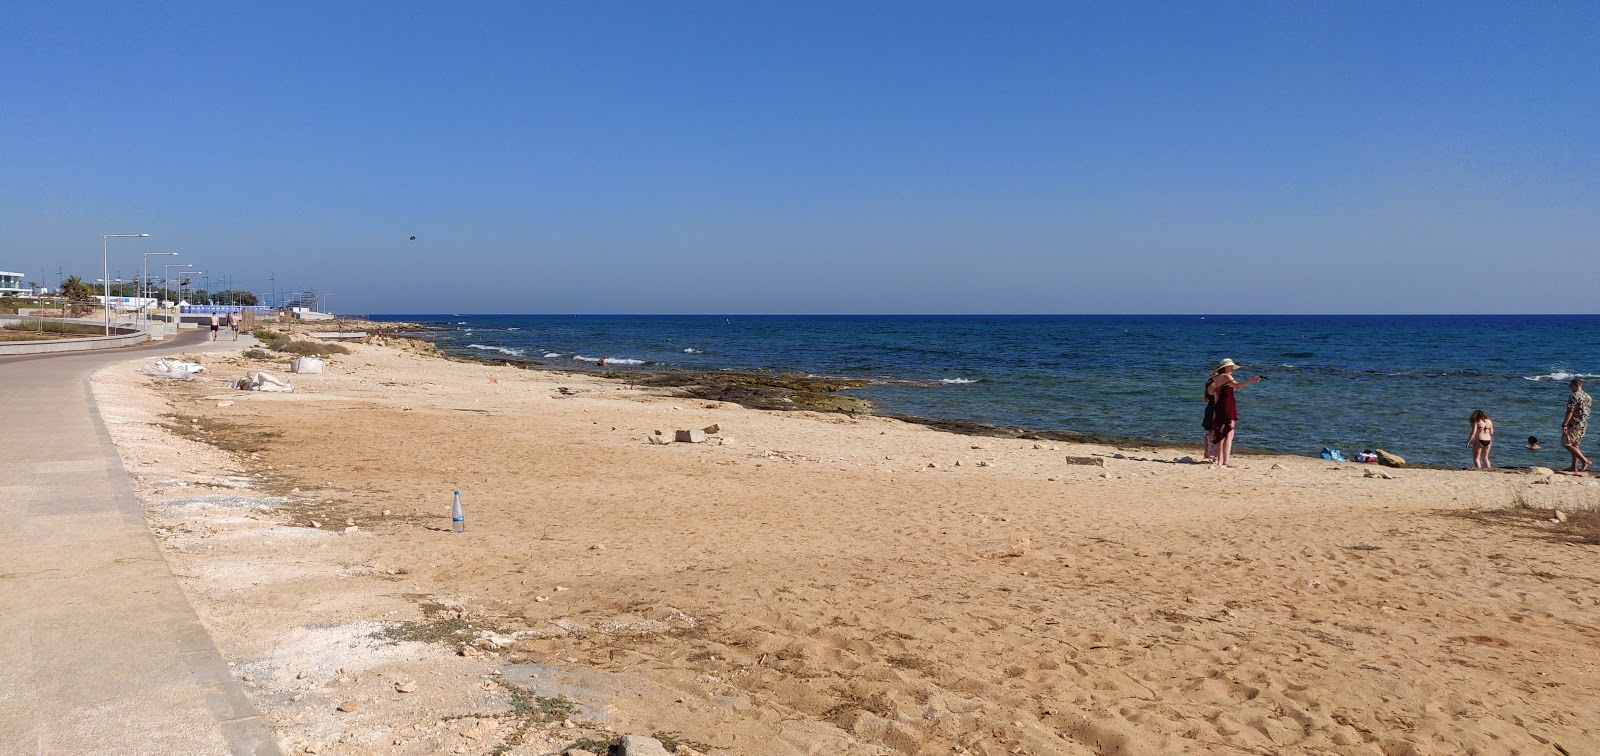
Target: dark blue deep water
(1403, 383)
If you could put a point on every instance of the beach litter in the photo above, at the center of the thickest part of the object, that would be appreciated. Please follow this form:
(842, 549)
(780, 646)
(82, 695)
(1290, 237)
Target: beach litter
(308, 365)
(167, 367)
(262, 381)
(690, 436)
(1090, 461)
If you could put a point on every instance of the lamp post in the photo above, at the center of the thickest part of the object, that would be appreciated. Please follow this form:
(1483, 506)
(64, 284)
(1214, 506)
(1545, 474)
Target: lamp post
(105, 270)
(144, 282)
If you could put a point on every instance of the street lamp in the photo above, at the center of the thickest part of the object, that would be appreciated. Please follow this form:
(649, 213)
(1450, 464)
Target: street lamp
(144, 282)
(105, 270)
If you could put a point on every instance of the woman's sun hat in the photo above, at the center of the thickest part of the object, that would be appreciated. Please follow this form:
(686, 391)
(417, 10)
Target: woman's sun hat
(1226, 363)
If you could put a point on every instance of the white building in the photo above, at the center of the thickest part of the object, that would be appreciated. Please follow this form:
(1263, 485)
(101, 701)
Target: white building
(11, 283)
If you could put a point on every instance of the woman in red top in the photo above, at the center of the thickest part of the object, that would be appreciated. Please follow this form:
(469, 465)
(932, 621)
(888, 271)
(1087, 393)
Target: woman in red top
(1225, 414)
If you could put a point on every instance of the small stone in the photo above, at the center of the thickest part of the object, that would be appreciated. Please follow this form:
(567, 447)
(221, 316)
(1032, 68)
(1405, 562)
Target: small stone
(1539, 471)
(405, 687)
(977, 446)
(958, 463)
(712, 429)
(561, 588)
(347, 706)
(296, 489)
(349, 522)
(225, 403)
(247, 678)
(351, 529)
(301, 675)
(985, 463)
(1560, 517)
(402, 570)
(1276, 466)
(297, 696)
(469, 651)
(541, 599)
(658, 439)
(1389, 459)
(316, 524)
(1038, 446)
(386, 513)
(314, 747)
(598, 547)
(690, 436)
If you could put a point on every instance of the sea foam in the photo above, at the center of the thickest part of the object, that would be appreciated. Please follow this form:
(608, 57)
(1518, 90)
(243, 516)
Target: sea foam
(1559, 376)
(502, 350)
(609, 360)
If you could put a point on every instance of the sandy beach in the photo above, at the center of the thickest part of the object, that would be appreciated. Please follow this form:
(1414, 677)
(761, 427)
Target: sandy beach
(808, 583)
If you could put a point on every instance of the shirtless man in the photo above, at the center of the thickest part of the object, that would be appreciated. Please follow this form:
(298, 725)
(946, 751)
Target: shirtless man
(233, 324)
(215, 324)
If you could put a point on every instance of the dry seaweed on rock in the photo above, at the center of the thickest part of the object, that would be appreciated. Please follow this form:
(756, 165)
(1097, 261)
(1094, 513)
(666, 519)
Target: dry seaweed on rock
(790, 391)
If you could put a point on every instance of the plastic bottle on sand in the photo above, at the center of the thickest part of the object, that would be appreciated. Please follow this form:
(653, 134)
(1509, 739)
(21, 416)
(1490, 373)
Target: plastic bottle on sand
(458, 518)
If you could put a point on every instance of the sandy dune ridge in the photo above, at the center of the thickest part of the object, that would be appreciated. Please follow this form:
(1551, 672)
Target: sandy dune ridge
(816, 584)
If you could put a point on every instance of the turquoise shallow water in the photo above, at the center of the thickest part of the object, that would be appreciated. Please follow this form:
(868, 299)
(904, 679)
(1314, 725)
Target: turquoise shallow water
(1403, 383)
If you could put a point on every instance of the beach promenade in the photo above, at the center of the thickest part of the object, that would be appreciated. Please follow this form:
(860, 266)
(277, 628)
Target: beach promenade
(100, 651)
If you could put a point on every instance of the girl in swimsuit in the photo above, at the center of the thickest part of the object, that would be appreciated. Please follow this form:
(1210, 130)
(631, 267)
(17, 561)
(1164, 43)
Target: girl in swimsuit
(1480, 438)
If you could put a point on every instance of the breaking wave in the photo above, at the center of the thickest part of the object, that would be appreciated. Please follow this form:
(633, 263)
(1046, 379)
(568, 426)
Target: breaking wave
(1559, 376)
(502, 350)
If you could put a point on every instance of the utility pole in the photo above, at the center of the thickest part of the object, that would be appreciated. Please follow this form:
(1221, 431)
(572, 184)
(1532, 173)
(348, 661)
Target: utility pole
(274, 279)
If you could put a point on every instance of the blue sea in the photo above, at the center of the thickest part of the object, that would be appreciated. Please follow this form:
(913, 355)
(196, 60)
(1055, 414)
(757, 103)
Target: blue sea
(1401, 383)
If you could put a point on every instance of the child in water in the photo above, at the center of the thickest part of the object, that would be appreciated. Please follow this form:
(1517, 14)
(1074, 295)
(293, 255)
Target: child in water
(1533, 443)
(1481, 436)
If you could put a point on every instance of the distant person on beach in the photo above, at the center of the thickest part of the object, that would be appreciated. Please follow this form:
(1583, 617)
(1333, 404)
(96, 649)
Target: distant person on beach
(1480, 437)
(1574, 425)
(1225, 415)
(215, 324)
(1533, 444)
(233, 324)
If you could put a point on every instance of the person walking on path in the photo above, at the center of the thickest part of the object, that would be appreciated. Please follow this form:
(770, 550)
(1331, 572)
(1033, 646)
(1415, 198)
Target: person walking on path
(1480, 437)
(233, 324)
(215, 324)
(1225, 414)
(1574, 425)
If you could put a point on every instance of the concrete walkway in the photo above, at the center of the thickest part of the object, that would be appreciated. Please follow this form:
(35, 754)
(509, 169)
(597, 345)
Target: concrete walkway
(100, 651)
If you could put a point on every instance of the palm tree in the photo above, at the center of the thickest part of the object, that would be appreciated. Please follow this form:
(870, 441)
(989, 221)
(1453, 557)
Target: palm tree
(74, 289)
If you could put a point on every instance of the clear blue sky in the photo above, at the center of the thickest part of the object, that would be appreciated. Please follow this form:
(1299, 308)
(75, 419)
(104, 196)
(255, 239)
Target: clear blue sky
(739, 157)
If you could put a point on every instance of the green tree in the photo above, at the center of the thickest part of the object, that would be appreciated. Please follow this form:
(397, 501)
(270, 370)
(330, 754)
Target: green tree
(76, 290)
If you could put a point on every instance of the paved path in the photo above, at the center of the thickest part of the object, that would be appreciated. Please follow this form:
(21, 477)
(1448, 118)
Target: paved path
(100, 651)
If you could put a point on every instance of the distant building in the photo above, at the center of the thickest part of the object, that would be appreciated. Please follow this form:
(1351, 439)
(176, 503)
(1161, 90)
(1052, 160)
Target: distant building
(11, 283)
